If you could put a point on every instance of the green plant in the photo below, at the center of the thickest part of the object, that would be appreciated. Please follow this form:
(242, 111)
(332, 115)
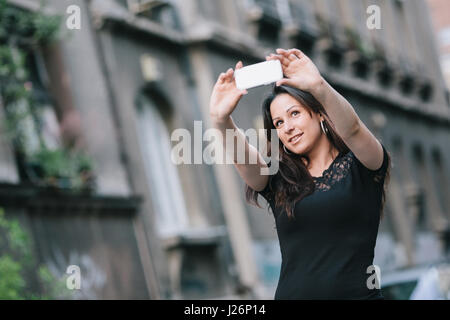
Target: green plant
(20, 276)
(21, 32)
(62, 168)
(11, 281)
(22, 27)
(355, 42)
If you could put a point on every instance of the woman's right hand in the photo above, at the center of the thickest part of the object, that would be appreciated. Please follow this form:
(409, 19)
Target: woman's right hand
(225, 96)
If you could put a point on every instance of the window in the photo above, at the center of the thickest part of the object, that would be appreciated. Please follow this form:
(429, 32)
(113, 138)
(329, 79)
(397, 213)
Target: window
(34, 125)
(302, 16)
(162, 175)
(302, 12)
(213, 11)
(441, 180)
(44, 110)
(160, 11)
(399, 4)
(264, 14)
(422, 193)
(405, 45)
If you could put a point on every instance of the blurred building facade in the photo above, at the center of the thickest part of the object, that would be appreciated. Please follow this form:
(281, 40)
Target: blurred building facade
(439, 12)
(137, 70)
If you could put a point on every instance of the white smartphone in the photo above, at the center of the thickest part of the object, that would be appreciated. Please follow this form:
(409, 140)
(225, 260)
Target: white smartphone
(258, 74)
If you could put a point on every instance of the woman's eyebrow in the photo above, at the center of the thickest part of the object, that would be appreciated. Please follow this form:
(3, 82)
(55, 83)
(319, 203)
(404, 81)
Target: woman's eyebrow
(286, 111)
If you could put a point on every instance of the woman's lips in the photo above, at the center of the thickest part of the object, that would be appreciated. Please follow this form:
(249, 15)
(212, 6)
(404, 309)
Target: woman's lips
(295, 138)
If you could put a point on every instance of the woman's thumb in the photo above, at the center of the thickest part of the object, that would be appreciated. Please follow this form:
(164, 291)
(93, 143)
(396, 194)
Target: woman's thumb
(285, 81)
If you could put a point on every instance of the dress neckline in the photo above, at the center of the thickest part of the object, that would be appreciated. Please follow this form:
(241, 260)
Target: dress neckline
(329, 167)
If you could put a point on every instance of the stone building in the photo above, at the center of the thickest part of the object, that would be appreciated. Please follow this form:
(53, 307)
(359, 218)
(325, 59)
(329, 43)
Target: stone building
(439, 12)
(138, 70)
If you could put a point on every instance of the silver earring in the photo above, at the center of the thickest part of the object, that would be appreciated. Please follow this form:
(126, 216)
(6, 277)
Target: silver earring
(324, 129)
(285, 150)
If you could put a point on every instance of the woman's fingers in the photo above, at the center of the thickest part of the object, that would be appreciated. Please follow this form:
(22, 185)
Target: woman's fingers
(229, 74)
(286, 54)
(239, 65)
(292, 57)
(298, 53)
(286, 81)
(282, 51)
(221, 78)
(283, 60)
(243, 92)
(225, 76)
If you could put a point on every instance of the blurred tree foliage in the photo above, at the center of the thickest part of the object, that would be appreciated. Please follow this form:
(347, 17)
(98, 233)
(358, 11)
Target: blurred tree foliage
(20, 276)
(20, 27)
(21, 32)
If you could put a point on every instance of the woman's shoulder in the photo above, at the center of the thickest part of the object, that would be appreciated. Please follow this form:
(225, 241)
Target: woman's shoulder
(377, 175)
(266, 192)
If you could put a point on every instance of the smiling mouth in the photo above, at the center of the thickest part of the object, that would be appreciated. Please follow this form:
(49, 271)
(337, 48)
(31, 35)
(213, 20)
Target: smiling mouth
(295, 138)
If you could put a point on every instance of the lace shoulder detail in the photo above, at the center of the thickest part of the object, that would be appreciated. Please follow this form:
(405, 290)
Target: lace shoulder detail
(337, 171)
(377, 176)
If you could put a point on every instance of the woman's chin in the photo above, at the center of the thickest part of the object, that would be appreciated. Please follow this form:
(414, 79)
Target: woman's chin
(298, 150)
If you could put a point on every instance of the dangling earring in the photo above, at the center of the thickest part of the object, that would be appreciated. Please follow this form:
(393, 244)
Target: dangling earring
(285, 150)
(324, 129)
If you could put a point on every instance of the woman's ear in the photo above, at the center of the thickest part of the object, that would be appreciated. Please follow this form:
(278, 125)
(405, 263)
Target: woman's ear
(321, 118)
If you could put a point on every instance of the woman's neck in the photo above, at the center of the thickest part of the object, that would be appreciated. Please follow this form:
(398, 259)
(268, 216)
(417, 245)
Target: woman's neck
(321, 156)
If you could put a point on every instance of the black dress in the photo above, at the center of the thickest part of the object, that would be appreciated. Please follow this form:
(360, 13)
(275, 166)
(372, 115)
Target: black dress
(327, 249)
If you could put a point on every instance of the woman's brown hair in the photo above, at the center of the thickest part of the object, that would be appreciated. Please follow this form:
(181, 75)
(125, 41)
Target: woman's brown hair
(293, 182)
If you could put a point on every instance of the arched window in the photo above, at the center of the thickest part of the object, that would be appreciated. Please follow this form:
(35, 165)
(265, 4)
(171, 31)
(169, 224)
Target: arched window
(162, 175)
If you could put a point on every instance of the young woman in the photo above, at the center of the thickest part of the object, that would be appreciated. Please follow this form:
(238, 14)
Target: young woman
(328, 194)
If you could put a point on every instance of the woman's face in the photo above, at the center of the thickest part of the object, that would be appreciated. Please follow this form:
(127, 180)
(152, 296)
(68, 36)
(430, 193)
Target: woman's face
(298, 128)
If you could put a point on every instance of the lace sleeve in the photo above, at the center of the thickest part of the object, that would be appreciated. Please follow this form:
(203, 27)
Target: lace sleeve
(379, 174)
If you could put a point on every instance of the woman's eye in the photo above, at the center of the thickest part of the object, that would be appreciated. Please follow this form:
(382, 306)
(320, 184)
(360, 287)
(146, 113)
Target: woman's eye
(276, 124)
(294, 112)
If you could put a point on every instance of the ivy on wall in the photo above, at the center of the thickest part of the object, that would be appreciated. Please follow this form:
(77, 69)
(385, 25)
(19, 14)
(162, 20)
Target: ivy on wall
(22, 32)
(20, 276)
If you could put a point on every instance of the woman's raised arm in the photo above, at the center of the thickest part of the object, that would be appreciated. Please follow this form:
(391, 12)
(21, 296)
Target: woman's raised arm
(224, 99)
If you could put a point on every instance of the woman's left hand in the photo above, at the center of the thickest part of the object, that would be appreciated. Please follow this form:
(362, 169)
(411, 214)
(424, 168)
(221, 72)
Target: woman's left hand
(299, 70)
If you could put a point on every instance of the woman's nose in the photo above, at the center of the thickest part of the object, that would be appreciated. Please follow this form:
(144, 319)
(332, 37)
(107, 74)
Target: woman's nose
(288, 127)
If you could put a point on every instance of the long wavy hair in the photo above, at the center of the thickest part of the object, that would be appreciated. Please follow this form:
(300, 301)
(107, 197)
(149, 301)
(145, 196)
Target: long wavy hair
(293, 182)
